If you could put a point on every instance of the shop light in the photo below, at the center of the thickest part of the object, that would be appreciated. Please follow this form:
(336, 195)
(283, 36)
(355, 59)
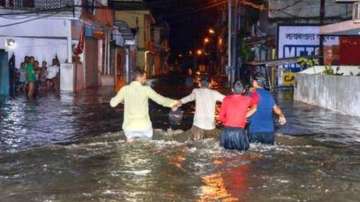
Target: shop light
(10, 44)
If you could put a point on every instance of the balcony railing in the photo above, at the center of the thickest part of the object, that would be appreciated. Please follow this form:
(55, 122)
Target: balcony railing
(36, 4)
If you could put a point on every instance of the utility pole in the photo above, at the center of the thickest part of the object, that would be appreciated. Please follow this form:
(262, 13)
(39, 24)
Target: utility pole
(229, 66)
(322, 19)
(232, 37)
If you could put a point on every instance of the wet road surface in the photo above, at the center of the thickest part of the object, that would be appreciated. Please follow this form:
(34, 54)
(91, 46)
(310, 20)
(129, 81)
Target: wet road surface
(69, 148)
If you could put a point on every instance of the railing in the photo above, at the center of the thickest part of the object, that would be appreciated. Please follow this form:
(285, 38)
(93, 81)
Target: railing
(36, 4)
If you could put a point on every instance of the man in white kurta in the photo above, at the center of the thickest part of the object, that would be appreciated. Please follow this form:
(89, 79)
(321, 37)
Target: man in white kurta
(135, 97)
(204, 124)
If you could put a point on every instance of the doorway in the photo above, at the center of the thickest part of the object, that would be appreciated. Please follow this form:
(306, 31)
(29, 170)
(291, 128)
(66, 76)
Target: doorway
(4, 73)
(91, 61)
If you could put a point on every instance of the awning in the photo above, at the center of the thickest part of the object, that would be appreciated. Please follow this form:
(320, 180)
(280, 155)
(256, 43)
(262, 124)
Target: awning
(345, 28)
(124, 35)
(278, 62)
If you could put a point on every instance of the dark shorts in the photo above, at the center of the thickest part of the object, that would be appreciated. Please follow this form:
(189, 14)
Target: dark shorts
(263, 137)
(234, 139)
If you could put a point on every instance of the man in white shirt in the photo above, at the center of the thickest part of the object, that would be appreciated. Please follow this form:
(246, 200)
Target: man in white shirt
(205, 106)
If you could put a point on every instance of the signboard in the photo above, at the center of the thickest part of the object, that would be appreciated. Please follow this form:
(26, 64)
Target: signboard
(288, 78)
(297, 41)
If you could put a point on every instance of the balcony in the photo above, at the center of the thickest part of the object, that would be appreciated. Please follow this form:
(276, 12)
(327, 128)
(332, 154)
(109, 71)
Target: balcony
(60, 8)
(36, 4)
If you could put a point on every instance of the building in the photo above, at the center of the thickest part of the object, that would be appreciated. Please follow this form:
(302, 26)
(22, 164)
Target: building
(77, 32)
(149, 36)
(347, 51)
(293, 28)
(123, 53)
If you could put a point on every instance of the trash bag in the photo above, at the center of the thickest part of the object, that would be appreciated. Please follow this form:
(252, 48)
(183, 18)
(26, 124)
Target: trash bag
(176, 117)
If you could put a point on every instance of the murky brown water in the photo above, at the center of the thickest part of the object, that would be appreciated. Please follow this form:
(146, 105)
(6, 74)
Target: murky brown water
(69, 148)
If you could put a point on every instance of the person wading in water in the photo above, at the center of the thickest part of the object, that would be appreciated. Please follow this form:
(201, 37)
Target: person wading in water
(205, 101)
(135, 97)
(235, 110)
(261, 127)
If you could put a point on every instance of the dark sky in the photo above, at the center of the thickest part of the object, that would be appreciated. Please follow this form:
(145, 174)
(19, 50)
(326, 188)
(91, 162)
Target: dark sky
(189, 20)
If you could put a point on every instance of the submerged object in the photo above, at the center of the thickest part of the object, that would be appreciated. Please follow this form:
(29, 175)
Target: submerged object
(176, 117)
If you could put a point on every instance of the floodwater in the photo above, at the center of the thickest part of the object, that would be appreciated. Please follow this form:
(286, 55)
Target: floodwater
(70, 148)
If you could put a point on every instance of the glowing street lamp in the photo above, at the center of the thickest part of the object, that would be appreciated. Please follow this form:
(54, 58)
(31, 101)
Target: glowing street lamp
(220, 41)
(10, 44)
(206, 40)
(199, 52)
(211, 31)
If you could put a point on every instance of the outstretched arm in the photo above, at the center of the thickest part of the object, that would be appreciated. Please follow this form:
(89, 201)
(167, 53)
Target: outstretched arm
(251, 111)
(219, 97)
(119, 98)
(161, 100)
(278, 111)
(188, 98)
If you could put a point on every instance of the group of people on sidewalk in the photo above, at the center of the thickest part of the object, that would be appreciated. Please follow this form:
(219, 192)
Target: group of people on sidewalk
(246, 114)
(32, 77)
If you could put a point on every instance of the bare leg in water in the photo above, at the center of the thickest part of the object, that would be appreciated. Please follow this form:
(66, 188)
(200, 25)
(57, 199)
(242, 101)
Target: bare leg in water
(31, 90)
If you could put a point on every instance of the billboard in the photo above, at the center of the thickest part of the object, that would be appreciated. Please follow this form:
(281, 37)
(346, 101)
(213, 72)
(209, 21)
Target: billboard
(301, 40)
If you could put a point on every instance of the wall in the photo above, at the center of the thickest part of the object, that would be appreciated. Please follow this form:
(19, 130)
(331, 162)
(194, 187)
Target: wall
(41, 49)
(307, 9)
(135, 19)
(345, 70)
(49, 28)
(338, 93)
(140, 20)
(42, 38)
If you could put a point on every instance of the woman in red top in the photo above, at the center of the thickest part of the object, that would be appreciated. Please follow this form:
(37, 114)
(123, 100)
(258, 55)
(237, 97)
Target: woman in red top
(235, 110)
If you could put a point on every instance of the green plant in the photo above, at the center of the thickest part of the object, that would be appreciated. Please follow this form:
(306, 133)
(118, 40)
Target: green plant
(328, 70)
(307, 62)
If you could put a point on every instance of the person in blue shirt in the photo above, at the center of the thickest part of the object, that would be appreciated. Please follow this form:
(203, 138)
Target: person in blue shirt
(261, 127)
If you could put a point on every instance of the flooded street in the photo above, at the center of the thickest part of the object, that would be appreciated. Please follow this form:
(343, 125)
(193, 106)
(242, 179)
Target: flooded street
(69, 148)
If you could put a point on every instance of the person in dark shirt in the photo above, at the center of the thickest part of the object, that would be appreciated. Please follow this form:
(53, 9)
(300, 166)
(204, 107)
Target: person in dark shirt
(261, 127)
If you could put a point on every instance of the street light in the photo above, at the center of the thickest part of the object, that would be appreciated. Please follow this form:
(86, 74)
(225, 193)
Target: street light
(211, 31)
(206, 40)
(199, 52)
(10, 44)
(220, 41)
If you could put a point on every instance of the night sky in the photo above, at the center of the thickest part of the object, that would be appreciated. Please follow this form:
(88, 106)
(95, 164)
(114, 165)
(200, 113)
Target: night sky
(189, 20)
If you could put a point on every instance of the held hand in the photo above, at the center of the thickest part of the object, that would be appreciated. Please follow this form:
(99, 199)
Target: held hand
(176, 105)
(282, 120)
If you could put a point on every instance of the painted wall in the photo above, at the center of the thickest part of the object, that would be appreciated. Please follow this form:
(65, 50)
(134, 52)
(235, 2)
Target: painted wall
(338, 93)
(142, 21)
(48, 27)
(306, 9)
(67, 77)
(135, 19)
(41, 49)
(345, 70)
(43, 39)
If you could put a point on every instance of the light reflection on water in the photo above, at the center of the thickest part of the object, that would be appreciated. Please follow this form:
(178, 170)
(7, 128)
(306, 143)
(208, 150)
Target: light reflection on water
(68, 148)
